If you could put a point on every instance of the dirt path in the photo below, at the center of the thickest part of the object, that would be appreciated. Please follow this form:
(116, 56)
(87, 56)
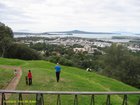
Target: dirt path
(14, 82)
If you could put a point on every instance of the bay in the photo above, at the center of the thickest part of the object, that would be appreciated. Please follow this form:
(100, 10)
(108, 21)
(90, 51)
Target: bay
(105, 37)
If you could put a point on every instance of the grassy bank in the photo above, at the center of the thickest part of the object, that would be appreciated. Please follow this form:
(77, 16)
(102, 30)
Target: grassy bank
(6, 76)
(72, 79)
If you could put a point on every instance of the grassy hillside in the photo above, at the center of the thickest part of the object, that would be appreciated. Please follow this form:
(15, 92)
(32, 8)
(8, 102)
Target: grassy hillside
(72, 79)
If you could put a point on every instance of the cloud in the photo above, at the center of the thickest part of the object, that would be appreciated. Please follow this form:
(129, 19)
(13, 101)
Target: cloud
(92, 15)
(13, 15)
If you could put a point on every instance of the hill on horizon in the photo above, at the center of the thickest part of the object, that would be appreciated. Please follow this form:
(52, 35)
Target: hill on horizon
(72, 79)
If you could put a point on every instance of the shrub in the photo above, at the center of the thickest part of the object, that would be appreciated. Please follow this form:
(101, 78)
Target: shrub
(22, 52)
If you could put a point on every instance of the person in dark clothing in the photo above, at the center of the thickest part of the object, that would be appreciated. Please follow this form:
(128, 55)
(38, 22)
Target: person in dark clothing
(58, 70)
(30, 77)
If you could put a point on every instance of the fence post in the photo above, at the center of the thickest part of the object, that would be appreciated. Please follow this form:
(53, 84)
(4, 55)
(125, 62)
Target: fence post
(58, 100)
(139, 102)
(125, 100)
(92, 100)
(39, 99)
(26, 79)
(76, 100)
(20, 99)
(108, 100)
(3, 99)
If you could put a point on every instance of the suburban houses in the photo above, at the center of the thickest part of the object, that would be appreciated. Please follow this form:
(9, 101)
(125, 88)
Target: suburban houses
(85, 44)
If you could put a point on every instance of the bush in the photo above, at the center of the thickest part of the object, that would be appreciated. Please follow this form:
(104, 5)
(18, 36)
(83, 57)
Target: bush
(65, 61)
(54, 59)
(22, 52)
(61, 60)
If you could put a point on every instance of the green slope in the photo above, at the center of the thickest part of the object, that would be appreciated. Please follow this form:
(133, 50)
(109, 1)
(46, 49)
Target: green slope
(72, 79)
(6, 76)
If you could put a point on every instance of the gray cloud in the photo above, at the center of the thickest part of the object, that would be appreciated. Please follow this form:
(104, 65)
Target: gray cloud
(13, 15)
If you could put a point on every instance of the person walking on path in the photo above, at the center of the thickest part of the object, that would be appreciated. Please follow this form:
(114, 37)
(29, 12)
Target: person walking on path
(58, 70)
(30, 77)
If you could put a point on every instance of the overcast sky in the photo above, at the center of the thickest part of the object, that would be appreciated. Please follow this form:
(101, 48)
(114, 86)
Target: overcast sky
(59, 15)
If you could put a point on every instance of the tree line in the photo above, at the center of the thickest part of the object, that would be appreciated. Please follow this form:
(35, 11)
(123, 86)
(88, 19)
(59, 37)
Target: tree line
(10, 49)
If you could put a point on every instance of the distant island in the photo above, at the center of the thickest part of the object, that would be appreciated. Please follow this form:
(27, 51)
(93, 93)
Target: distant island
(83, 32)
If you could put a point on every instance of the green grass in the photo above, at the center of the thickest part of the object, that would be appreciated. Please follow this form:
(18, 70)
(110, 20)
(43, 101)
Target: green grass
(6, 76)
(72, 79)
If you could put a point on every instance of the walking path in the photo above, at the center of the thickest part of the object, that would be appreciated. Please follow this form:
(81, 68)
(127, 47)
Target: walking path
(14, 82)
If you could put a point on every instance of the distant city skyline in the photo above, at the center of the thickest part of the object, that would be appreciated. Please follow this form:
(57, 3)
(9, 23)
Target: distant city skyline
(66, 15)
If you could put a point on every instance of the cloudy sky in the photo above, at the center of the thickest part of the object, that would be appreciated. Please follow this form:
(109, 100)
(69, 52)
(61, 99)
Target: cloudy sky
(59, 15)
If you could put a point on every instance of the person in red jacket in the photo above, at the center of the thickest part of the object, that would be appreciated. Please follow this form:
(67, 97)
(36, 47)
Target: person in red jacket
(30, 77)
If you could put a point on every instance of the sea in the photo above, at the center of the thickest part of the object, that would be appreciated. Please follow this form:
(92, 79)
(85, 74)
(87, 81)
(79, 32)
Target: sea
(104, 37)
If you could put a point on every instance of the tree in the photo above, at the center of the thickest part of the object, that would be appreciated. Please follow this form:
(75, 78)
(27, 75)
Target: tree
(5, 31)
(23, 52)
(38, 46)
(6, 36)
(5, 44)
(113, 58)
(12, 50)
(122, 65)
(131, 72)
